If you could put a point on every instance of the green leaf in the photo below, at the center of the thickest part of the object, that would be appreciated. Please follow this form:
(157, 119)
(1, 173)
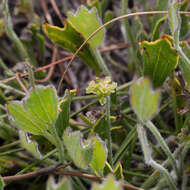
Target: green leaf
(109, 184)
(23, 120)
(125, 144)
(144, 100)
(100, 127)
(62, 121)
(184, 20)
(79, 150)
(160, 6)
(29, 145)
(71, 39)
(2, 184)
(97, 4)
(156, 30)
(99, 155)
(107, 17)
(185, 68)
(76, 30)
(37, 112)
(87, 22)
(174, 21)
(160, 58)
(64, 184)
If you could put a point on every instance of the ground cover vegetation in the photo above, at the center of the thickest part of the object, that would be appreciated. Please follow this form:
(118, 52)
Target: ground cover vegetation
(94, 95)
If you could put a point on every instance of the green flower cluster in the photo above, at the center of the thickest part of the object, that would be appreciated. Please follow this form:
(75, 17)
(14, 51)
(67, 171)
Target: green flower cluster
(102, 88)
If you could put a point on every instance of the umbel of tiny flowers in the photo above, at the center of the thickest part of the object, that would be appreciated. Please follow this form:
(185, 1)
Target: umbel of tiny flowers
(102, 88)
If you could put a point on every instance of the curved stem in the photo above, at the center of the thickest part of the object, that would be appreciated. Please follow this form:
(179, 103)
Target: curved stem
(183, 155)
(150, 181)
(108, 131)
(165, 173)
(148, 158)
(163, 144)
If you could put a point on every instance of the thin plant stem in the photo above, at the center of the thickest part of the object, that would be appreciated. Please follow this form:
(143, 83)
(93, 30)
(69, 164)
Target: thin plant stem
(131, 150)
(81, 98)
(165, 173)
(163, 144)
(30, 73)
(124, 145)
(124, 86)
(101, 62)
(108, 131)
(175, 25)
(3, 65)
(12, 89)
(129, 36)
(11, 151)
(136, 174)
(84, 108)
(3, 116)
(184, 183)
(186, 121)
(37, 162)
(182, 157)
(94, 178)
(9, 29)
(58, 141)
(148, 158)
(183, 56)
(119, 66)
(6, 146)
(176, 119)
(150, 181)
(3, 108)
(64, 2)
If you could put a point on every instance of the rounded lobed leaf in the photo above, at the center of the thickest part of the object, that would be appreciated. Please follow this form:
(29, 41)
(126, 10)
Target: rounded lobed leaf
(144, 100)
(160, 58)
(37, 112)
(87, 21)
(80, 151)
(109, 184)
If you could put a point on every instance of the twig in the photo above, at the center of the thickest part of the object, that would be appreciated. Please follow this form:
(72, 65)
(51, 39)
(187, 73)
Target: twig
(21, 83)
(46, 12)
(54, 5)
(2, 107)
(112, 47)
(44, 171)
(93, 178)
(51, 70)
(38, 69)
(104, 49)
(61, 69)
(29, 167)
(12, 89)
